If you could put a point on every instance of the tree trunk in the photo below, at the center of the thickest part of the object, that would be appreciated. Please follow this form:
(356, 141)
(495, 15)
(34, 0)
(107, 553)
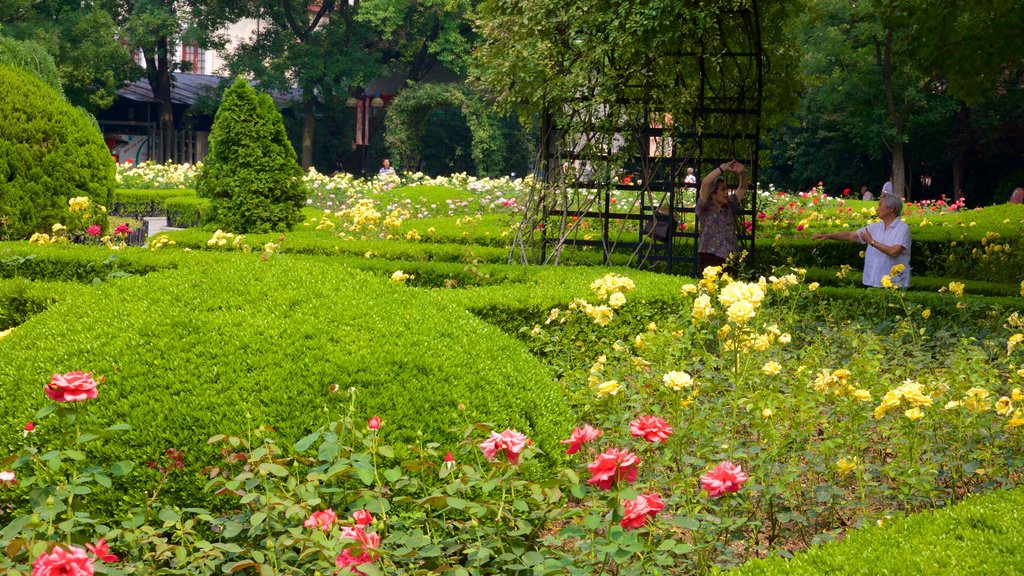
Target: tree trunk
(958, 174)
(159, 75)
(899, 176)
(308, 126)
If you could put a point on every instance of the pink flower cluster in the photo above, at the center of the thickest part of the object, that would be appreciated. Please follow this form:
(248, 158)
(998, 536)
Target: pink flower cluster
(612, 466)
(581, 436)
(367, 544)
(94, 230)
(638, 511)
(74, 386)
(72, 561)
(726, 477)
(650, 428)
(511, 442)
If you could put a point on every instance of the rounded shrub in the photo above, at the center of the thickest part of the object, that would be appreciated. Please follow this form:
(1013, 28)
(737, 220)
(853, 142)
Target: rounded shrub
(232, 343)
(31, 57)
(251, 173)
(50, 152)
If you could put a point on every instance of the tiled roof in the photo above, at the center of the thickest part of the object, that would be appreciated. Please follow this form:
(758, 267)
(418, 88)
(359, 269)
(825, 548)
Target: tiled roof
(187, 88)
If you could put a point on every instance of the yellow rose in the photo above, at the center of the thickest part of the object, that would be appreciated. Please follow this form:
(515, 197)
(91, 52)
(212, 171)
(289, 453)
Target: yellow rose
(846, 465)
(914, 414)
(927, 313)
(785, 338)
(741, 311)
(607, 388)
(677, 380)
(766, 413)
(771, 368)
(862, 395)
(1004, 406)
(812, 286)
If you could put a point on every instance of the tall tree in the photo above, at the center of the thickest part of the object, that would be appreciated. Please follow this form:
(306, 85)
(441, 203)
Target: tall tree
(83, 41)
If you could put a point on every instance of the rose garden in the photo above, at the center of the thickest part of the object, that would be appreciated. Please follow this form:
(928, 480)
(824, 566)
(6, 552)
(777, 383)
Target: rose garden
(316, 374)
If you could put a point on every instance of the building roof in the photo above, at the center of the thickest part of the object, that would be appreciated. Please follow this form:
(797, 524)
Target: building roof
(186, 88)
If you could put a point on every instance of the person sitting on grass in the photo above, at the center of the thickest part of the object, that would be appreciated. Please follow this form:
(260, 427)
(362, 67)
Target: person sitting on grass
(887, 243)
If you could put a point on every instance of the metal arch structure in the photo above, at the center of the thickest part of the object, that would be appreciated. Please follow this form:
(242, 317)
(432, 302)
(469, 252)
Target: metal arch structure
(611, 183)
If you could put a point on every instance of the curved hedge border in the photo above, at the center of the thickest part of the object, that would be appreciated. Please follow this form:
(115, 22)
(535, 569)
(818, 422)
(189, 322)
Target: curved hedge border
(228, 344)
(979, 536)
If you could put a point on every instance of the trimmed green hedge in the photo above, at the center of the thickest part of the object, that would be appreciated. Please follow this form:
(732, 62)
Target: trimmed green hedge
(140, 204)
(20, 299)
(186, 212)
(982, 535)
(231, 343)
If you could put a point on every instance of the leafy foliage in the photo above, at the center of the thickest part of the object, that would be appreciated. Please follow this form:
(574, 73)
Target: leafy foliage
(49, 152)
(31, 57)
(251, 172)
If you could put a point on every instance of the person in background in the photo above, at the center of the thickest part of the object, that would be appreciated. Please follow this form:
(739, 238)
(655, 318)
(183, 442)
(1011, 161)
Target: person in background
(1018, 195)
(866, 194)
(887, 243)
(887, 187)
(690, 181)
(716, 210)
(386, 169)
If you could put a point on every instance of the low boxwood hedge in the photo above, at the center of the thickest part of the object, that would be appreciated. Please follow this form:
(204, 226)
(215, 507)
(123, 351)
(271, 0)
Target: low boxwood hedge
(186, 211)
(140, 204)
(232, 342)
(979, 536)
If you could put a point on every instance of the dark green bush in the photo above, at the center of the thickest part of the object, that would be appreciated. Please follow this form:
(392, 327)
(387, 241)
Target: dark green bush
(140, 204)
(251, 172)
(186, 211)
(230, 343)
(31, 57)
(979, 536)
(49, 152)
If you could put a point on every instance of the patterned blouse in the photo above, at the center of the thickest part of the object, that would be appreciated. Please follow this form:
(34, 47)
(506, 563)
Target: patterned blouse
(718, 227)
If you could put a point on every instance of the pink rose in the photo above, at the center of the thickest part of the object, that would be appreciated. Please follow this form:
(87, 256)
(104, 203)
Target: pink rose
(373, 423)
(347, 560)
(60, 562)
(638, 511)
(123, 229)
(101, 551)
(613, 465)
(8, 478)
(362, 517)
(650, 428)
(367, 543)
(580, 436)
(726, 477)
(322, 519)
(74, 386)
(512, 442)
(94, 230)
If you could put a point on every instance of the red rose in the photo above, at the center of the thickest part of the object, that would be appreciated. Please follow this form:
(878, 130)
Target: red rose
(638, 511)
(580, 436)
(613, 465)
(74, 386)
(322, 519)
(650, 428)
(373, 423)
(511, 442)
(101, 551)
(362, 517)
(60, 562)
(726, 477)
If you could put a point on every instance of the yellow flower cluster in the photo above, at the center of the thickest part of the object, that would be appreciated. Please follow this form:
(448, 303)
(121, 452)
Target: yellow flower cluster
(363, 217)
(836, 382)
(677, 380)
(911, 392)
(396, 217)
(843, 271)
(702, 308)
(1013, 341)
(846, 465)
(957, 288)
(161, 241)
(325, 221)
(610, 284)
(601, 315)
(413, 235)
(39, 238)
(553, 315)
(221, 238)
(596, 381)
(79, 204)
(399, 277)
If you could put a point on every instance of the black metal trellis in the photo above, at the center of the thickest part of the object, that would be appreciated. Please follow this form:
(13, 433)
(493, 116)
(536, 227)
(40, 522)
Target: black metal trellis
(577, 206)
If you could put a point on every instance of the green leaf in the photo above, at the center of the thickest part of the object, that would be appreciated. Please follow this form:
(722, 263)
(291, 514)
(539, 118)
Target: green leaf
(121, 468)
(306, 441)
(168, 515)
(275, 469)
(257, 518)
(102, 480)
(119, 427)
(74, 455)
(457, 503)
(86, 437)
(45, 411)
(366, 475)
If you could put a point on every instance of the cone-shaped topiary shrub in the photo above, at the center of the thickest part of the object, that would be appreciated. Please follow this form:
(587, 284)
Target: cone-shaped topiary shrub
(50, 152)
(251, 172)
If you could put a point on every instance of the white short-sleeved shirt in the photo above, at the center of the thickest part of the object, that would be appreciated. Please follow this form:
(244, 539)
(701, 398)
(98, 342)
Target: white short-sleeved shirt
(877, 263)
(887, 187)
